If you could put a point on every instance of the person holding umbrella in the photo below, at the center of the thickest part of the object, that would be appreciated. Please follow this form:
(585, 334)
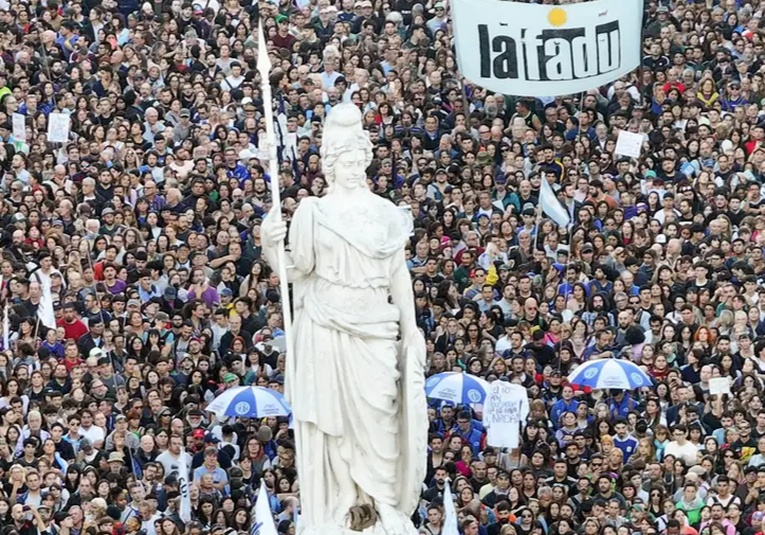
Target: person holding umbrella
(469, 434)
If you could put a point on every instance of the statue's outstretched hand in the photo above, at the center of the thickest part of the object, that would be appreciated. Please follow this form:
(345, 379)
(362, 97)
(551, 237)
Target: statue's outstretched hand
(274, 228)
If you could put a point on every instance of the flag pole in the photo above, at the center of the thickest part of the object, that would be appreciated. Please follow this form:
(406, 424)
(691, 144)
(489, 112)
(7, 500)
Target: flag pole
(264, 68)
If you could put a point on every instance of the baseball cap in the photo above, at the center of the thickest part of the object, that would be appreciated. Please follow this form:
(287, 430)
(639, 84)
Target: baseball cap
(198, 433)
(212, 439)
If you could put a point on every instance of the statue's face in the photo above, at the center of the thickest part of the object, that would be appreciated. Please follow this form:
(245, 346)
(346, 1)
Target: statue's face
(350, 172)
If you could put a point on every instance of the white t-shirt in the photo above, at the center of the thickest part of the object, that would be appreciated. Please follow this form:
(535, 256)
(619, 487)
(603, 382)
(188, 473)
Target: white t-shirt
(171, 463)
(94, 434)
(687, 452)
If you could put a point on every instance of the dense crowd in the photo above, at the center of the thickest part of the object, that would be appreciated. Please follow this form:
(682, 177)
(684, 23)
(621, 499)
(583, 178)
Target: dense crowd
(145, 229)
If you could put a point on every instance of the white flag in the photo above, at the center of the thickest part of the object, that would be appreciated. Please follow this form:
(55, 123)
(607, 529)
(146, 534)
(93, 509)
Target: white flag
(450, 514)
(551, 206)
(45, 311)
(263, 520)
(183, 484)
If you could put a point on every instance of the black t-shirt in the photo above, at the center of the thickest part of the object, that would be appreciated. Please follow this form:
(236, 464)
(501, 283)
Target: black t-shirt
(745, 448)
(432, 493)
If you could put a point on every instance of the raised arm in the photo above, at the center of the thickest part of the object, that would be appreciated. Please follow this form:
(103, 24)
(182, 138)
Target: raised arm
(273, 232)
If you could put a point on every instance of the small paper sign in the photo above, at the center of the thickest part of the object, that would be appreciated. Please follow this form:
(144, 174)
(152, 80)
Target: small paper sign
(719, 385)
(58, 127)
(629, 144)
(19, 128)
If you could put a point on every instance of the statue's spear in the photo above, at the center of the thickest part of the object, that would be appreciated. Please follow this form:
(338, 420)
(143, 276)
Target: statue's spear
(264, 68)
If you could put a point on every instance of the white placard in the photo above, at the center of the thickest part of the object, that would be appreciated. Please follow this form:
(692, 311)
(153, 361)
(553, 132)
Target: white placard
(542, 50)
(19, 127)
(58, 127)
(506, 407)
(719, 385)
(629, 144)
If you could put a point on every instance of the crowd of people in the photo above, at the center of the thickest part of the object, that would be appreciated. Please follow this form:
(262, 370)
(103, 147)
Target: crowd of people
(143, 230)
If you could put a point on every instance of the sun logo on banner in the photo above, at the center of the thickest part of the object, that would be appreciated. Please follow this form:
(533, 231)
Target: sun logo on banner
(557, 17)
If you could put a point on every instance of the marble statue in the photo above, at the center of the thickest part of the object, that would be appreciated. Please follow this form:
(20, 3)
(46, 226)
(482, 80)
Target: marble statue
(356, 380)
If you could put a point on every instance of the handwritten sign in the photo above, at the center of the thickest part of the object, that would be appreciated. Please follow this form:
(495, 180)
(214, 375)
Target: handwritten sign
(629, 144)
(507, 405)
(719, 385)
(19, 127)
(58, 127)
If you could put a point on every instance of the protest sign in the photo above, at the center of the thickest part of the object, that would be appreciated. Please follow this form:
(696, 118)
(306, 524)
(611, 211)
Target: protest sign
(19, 127)
(719, 385)
(629, 144)
(541, 50)
(507, 405)
(58, 127)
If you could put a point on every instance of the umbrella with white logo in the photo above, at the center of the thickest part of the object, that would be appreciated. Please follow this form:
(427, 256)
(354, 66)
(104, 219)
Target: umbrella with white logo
(457, 387)
(610, 373)
(249, 402)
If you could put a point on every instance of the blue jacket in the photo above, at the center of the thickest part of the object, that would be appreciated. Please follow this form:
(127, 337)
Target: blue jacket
(239, 172)
(559, 408)
(474, 437)
(622, 409)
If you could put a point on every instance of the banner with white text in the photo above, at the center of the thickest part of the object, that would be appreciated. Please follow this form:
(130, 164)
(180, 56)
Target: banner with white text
(543, 50)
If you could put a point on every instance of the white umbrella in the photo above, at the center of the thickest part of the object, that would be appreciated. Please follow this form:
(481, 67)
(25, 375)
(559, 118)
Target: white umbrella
(610, 373)
(249, 402)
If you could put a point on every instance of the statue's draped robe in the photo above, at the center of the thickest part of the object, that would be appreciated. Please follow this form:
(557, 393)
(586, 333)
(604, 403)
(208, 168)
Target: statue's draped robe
(342, 381)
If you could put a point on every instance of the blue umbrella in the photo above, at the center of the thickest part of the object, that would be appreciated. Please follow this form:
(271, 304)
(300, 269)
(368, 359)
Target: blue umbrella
(249, 402)
(610, 373)
(457, 387)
